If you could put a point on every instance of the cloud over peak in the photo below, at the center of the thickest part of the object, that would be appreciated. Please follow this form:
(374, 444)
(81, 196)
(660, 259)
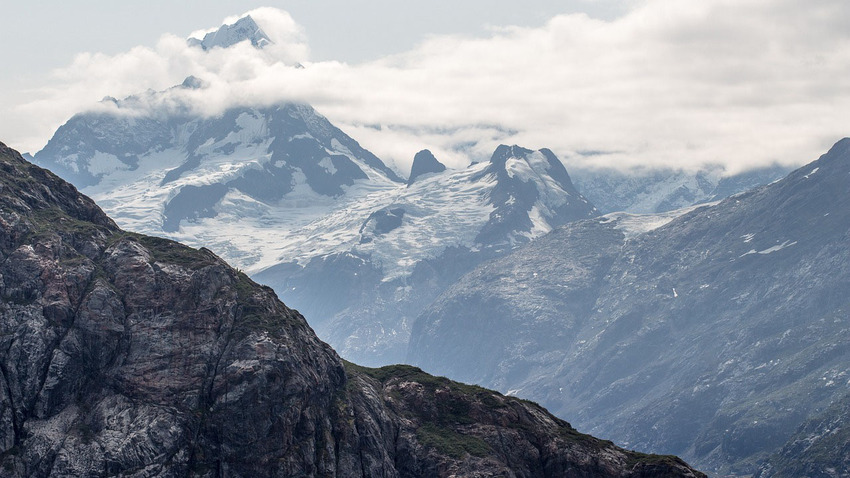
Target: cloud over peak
(678, 84)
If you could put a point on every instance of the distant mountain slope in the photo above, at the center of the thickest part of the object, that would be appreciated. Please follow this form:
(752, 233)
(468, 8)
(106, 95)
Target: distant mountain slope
(820, 447)
(712, 336)
(124, 354)
(378, 263)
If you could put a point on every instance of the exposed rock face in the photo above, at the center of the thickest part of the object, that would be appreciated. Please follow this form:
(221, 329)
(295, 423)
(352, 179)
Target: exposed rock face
(122, 354)
(712, 337)
(424, 163)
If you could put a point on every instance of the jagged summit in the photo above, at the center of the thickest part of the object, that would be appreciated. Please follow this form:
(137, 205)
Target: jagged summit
(193, 82)
(533, 193)
(424, 163)
(244, 29)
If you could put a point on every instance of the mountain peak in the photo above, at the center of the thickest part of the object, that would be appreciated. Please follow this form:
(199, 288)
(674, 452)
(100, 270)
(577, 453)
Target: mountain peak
(533, 193)
(840, 152)
(228, 35)
(423, 163)
(503, 152)
(193, 83)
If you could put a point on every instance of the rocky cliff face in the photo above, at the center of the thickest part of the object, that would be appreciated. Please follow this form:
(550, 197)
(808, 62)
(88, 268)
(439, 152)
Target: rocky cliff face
(122, 354)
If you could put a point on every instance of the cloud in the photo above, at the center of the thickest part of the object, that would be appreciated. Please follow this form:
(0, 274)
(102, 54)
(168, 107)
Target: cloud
(678, 84)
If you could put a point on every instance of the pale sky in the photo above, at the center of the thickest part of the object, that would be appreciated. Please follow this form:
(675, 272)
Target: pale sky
(644, 82)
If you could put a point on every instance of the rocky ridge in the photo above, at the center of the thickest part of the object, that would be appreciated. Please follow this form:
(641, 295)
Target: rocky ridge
(123, 354)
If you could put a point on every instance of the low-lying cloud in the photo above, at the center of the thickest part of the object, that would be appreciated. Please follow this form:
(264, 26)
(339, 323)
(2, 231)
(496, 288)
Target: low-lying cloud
(739, 83)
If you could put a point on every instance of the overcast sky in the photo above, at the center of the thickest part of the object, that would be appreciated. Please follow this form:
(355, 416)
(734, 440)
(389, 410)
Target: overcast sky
(635, 82)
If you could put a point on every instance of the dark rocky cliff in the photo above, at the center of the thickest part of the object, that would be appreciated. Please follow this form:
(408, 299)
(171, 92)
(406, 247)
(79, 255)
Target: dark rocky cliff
(122, 354)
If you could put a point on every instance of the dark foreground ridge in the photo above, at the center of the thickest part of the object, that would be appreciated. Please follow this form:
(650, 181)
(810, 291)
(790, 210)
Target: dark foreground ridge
(122, 354)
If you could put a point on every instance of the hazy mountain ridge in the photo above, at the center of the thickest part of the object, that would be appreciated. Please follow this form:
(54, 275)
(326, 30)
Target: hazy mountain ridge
(647, 191)
(134, 355)
(713, 336)
(282, 167)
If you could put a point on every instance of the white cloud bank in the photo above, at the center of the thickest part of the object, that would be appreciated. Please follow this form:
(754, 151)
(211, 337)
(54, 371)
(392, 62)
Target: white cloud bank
(680, 83)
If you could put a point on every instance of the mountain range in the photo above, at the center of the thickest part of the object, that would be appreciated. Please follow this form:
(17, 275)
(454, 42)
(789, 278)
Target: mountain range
(289, 198)
(712, 335)
(657, 190)
(712, 326)
(301, 206)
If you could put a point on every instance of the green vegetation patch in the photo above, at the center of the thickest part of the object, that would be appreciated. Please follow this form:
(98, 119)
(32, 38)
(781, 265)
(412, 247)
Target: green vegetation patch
(257, 315)
(451, 443)
(415, 374)
(54, 219)
(454, 404)
(636, 458)
(171, 252)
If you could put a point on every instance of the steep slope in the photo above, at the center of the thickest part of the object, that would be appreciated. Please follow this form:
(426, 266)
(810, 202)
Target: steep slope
(713, 336)
(819, 448)
(424, 162)
(123, 354)
(375, 265)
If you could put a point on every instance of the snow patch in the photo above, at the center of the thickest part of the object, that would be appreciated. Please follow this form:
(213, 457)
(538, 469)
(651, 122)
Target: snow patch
(104, 163)
(632, 225)
(770, 250)
(327, 164)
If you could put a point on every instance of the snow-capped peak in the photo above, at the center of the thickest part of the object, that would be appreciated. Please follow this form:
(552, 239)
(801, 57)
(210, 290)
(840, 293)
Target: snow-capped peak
(228, 35)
